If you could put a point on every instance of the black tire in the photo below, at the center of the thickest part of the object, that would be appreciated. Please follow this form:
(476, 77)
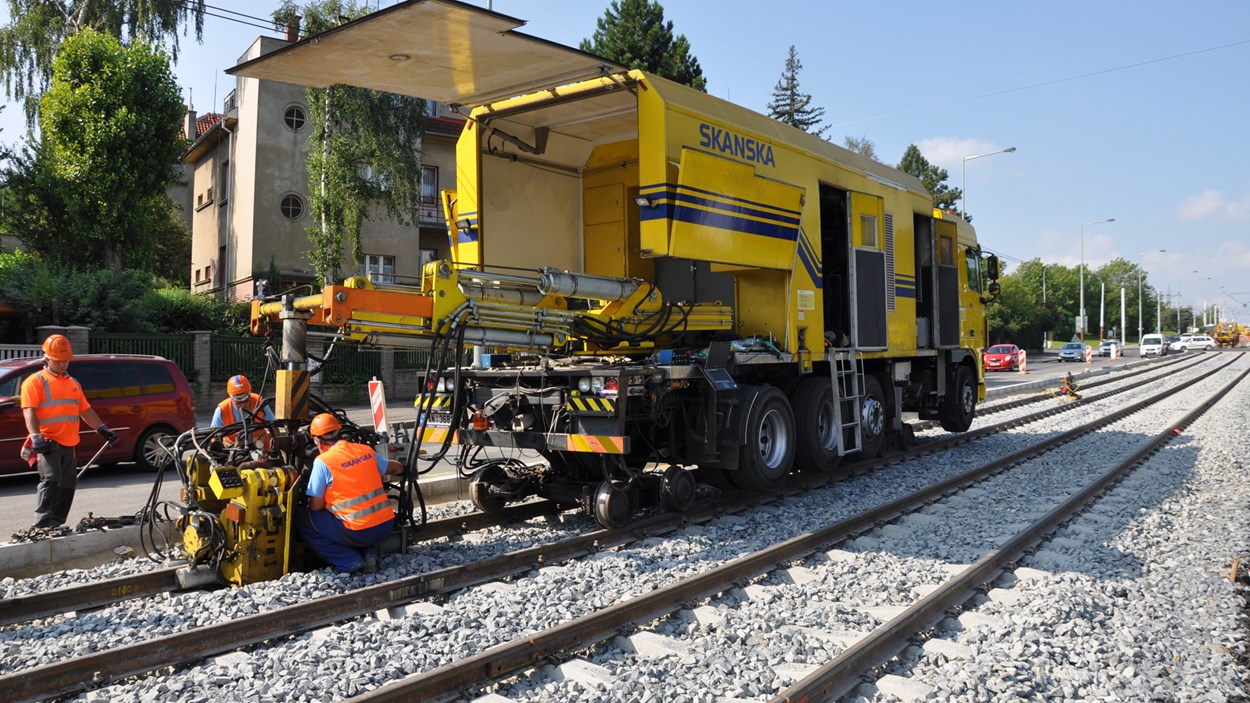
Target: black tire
(767, 454)
(959, 407)
(873, 417)
(149, 454)
(816, 440)
(479, 490)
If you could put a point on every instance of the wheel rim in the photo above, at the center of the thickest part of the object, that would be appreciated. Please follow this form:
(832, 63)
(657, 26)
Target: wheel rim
(774, 439)
(825, 432)
(968, 398)
(874, 416)
(153, 453)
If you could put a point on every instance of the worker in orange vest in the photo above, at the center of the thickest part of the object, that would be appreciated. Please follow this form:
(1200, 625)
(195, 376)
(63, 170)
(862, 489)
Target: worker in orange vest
(242, 405)
(52, 403)
(348, 511)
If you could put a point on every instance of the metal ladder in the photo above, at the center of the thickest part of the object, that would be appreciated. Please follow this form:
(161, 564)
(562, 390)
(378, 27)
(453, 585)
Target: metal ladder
(848, 392)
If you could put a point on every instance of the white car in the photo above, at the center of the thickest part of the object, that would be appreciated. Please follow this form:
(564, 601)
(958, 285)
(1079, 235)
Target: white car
(1198, 341)
(1151, 345)
(1179, 344)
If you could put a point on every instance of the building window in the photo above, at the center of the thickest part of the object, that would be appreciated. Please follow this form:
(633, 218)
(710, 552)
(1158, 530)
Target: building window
(379, 269)
(429, 185)
(292, 207)
(295, 118)
(225, 183)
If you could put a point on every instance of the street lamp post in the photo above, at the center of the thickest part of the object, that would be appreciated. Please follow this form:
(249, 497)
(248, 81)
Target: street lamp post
(1140, 303)
(963, 170)
(1081, 313)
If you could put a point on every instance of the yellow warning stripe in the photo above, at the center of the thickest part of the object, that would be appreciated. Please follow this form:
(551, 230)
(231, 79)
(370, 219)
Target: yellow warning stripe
(589, 404)
(437, 402)
(598, 444)
(438, 434)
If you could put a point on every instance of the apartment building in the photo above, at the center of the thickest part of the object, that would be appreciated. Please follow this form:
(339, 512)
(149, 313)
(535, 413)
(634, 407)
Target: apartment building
(249, 205)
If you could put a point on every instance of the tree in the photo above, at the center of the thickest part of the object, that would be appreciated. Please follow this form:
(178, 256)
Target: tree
(634, 34)
(862, 146)
(791, 106)
(364, 149)
(38, 28)
(933, 178)
(111, 140)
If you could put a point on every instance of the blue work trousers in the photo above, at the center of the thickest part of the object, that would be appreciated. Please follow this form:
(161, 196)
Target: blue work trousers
(340, 547)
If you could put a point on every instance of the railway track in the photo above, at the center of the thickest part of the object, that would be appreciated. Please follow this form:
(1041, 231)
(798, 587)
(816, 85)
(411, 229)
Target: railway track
(67, 677)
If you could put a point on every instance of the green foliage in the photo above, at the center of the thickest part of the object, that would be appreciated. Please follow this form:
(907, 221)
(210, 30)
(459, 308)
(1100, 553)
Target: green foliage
(862, 146)
(364, 149)
(38, 28)
(633, 33)
(933, 178)
(791, 106)
(113, 301)
(111, 140)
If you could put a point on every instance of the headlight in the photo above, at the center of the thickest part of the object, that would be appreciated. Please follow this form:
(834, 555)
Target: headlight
(596, 383)
(583, 384)
(441, 386)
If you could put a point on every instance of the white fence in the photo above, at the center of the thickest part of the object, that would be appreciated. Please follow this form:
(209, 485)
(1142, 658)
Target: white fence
(20, 351)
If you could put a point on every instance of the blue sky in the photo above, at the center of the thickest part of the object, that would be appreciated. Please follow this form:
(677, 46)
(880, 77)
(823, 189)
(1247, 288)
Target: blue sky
(1133, 110)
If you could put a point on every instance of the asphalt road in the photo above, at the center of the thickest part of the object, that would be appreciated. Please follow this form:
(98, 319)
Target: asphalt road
(123, 489)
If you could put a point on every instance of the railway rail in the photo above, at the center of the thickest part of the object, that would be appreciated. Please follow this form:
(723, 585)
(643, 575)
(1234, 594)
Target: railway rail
(67, 677)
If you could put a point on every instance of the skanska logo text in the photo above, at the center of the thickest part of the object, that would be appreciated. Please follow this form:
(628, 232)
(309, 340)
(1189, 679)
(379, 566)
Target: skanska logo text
(736, 145)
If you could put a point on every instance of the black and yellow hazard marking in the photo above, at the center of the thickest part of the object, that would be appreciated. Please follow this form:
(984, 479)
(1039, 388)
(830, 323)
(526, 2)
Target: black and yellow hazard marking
(590, 405)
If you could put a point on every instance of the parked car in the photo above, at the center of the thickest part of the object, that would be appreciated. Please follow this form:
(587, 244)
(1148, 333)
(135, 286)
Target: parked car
(1180, 342)
(1152, 345)
(1198, 341)
(141, 398)
(1104, 349)
(1072, 351)
(1002, 357)
(1170, 343)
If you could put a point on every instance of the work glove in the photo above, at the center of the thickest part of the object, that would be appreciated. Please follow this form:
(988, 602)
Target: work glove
(109, 435)
(38, 444)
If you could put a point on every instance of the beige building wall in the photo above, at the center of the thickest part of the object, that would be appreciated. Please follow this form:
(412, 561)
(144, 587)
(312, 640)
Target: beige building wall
(255, 162)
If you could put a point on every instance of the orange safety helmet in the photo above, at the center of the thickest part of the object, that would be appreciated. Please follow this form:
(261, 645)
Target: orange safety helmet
(58, 348)
(324, 424)
(238, 384)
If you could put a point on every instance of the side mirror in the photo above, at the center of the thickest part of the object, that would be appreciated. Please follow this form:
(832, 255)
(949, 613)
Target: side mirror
(992, 267)
(995, 289)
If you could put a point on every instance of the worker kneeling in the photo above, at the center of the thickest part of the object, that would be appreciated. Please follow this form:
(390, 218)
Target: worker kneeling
(348, 512)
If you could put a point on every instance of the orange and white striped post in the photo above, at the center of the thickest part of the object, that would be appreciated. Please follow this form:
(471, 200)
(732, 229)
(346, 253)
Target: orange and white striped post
(1024, 359)
(1089, 354)
(377, 403)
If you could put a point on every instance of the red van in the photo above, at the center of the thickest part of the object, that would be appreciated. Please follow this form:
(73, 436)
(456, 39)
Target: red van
(141, 398)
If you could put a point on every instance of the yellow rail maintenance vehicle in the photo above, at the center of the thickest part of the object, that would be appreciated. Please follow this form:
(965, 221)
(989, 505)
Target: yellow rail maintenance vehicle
(1226, 334)
(658, 286)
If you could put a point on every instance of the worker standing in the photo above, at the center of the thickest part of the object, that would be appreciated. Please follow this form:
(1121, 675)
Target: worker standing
(242, 405)
(52, 404)
(348, 511)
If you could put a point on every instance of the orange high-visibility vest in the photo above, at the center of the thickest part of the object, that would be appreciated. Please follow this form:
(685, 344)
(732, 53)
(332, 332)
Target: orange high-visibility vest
(58, 402)
(355, 495)
(259, 437)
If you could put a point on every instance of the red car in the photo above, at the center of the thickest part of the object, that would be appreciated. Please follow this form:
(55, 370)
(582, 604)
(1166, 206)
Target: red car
(1002, 357)
(141, 398)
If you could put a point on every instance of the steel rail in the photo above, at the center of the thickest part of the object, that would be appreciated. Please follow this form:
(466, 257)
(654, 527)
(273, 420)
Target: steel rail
(25, 608)
(845, 671)
(448, 682)
(81, 673)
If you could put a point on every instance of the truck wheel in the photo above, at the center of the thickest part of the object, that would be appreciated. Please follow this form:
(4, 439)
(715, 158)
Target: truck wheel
(959, 406)
(613, 506)
(816, 448)
(872, 418)
(150, 454)
(678, 489)
(479, 490)
(767, 455)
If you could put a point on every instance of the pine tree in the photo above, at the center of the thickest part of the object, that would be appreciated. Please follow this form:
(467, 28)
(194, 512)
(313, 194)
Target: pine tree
(791, 106)
(932, 177)
(634, 34)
